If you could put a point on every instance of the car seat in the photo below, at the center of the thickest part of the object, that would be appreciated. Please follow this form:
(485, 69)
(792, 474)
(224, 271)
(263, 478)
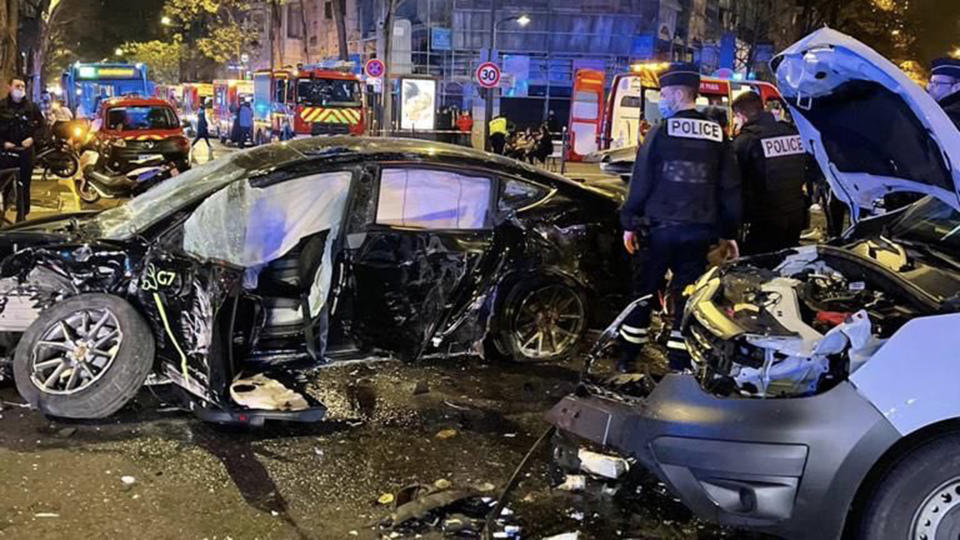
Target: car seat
(284, 285)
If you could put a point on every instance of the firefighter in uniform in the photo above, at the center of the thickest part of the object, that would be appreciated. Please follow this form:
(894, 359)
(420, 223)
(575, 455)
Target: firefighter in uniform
(944, 86)
(773, 168)
(684, 195)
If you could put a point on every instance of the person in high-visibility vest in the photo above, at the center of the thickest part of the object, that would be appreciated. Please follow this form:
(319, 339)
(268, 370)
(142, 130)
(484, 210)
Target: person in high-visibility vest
(498, 134)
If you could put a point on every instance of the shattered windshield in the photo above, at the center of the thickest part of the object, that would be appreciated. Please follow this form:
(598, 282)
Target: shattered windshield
(180, 191)
(930, 221)
(326, 92)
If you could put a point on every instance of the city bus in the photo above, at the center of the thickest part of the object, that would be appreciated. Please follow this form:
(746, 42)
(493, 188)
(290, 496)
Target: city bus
(85, 85)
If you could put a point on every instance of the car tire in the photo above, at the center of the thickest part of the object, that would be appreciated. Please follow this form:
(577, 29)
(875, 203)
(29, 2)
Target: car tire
(541, 320)
(918, 493)
(107, 381)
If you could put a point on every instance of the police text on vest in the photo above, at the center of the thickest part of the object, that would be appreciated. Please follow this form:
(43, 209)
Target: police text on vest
(787, 145)
(693, 128)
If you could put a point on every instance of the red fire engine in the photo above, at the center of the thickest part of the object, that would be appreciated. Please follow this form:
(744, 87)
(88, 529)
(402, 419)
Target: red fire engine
(306, 102)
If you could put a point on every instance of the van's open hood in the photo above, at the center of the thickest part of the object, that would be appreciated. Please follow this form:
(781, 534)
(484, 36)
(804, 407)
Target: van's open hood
(871, 129)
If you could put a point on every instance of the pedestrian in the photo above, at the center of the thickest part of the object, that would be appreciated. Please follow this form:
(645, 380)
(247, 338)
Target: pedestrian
(773, 168)
(245, 121)
(465, 125)
(944, 86)
(553, 125)
(684, 195)
(498, 134)
(60, 118)
(203, 131)
(544, 146)
(21, 124)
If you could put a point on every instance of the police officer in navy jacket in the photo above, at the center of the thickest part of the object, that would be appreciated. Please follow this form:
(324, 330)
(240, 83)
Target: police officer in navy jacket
(684, 197)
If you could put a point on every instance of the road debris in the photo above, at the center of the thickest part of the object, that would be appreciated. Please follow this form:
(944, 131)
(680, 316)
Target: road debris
(446, 434)
(573, 482)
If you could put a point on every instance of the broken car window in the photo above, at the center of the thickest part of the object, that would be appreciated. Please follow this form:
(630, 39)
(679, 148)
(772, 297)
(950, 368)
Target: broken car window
(175, 194)
(518, 194)
(432, 199)
(250, 226)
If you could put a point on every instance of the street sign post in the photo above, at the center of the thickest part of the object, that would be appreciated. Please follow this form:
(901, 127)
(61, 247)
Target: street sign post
(374, 68)
(488, 75)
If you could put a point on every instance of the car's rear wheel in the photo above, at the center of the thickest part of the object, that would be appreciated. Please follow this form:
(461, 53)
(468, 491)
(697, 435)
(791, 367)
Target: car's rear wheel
(542, 321)
(919, 497)
(85, 357)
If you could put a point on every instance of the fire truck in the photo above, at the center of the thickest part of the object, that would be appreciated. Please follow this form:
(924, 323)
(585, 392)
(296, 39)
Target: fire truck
(194, 95)
(227, 95)
(305, 102)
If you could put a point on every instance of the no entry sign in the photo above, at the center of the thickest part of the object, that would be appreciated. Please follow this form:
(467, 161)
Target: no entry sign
(488, 75)
(374, 68)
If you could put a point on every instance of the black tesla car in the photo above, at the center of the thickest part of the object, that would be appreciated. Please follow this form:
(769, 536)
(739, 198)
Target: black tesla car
(234, 279)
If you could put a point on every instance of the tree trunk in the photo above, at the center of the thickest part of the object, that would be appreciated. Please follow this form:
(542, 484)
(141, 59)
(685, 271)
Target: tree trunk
(303, 26)
(9, 23)
(387, 123)
(339, 15)
(276, 42)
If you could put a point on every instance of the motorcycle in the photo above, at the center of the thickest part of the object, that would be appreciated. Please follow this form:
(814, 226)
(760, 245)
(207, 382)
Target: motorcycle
(59, 154)
(97, 183)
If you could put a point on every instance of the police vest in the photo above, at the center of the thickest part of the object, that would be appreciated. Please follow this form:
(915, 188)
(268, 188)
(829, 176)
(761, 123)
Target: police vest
(774, 170)
(688, 168)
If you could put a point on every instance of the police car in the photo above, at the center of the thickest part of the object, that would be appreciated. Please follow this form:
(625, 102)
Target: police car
(823, 400)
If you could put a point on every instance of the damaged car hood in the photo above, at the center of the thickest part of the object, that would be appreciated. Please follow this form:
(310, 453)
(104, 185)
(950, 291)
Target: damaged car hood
(872, 130)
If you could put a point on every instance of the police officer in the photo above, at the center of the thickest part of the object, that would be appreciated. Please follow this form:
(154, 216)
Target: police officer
(684, 195)
(21, 125)
(772, 164)
(944, 86)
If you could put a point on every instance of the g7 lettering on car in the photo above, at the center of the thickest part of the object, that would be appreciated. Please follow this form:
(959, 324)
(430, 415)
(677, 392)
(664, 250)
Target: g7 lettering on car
(694, 128)
(788, 145)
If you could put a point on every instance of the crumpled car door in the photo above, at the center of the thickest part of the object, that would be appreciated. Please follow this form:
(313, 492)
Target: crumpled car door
(184, 301)
(423, 259)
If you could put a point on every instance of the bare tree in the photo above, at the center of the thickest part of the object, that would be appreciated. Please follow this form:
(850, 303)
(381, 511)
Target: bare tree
(9, 24)
(339, 15)
(305, 34)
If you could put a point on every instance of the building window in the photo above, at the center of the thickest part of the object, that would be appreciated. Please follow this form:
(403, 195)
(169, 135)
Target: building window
(328, 10)
(294, 21)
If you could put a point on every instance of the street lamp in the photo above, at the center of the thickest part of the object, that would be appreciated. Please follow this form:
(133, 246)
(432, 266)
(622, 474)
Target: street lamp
(118, 52)
(522, 20)
(166, 21)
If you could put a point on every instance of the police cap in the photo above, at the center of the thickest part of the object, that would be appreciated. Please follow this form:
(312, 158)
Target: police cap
(946, 66)
(681, 73)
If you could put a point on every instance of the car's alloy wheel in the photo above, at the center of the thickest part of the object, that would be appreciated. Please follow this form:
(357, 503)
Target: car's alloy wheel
(75, 351)
(939, 515)
(84, 357)
(548, 322)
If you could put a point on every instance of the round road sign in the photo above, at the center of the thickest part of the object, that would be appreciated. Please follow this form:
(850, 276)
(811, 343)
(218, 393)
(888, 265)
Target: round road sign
(374, 68)
(488, 75)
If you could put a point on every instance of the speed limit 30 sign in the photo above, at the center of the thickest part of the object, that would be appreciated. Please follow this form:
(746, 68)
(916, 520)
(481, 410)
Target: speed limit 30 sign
(488, 75)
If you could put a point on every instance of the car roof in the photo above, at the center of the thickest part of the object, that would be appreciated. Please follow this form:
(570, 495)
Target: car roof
(136, 101)
(398, 148)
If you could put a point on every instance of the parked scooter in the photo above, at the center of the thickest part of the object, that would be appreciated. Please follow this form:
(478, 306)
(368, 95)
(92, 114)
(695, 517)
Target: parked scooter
(98, 182)
(60, 153)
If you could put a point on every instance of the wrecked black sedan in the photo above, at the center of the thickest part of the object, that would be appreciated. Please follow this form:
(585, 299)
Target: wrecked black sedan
(822, 402)
(237, 278)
